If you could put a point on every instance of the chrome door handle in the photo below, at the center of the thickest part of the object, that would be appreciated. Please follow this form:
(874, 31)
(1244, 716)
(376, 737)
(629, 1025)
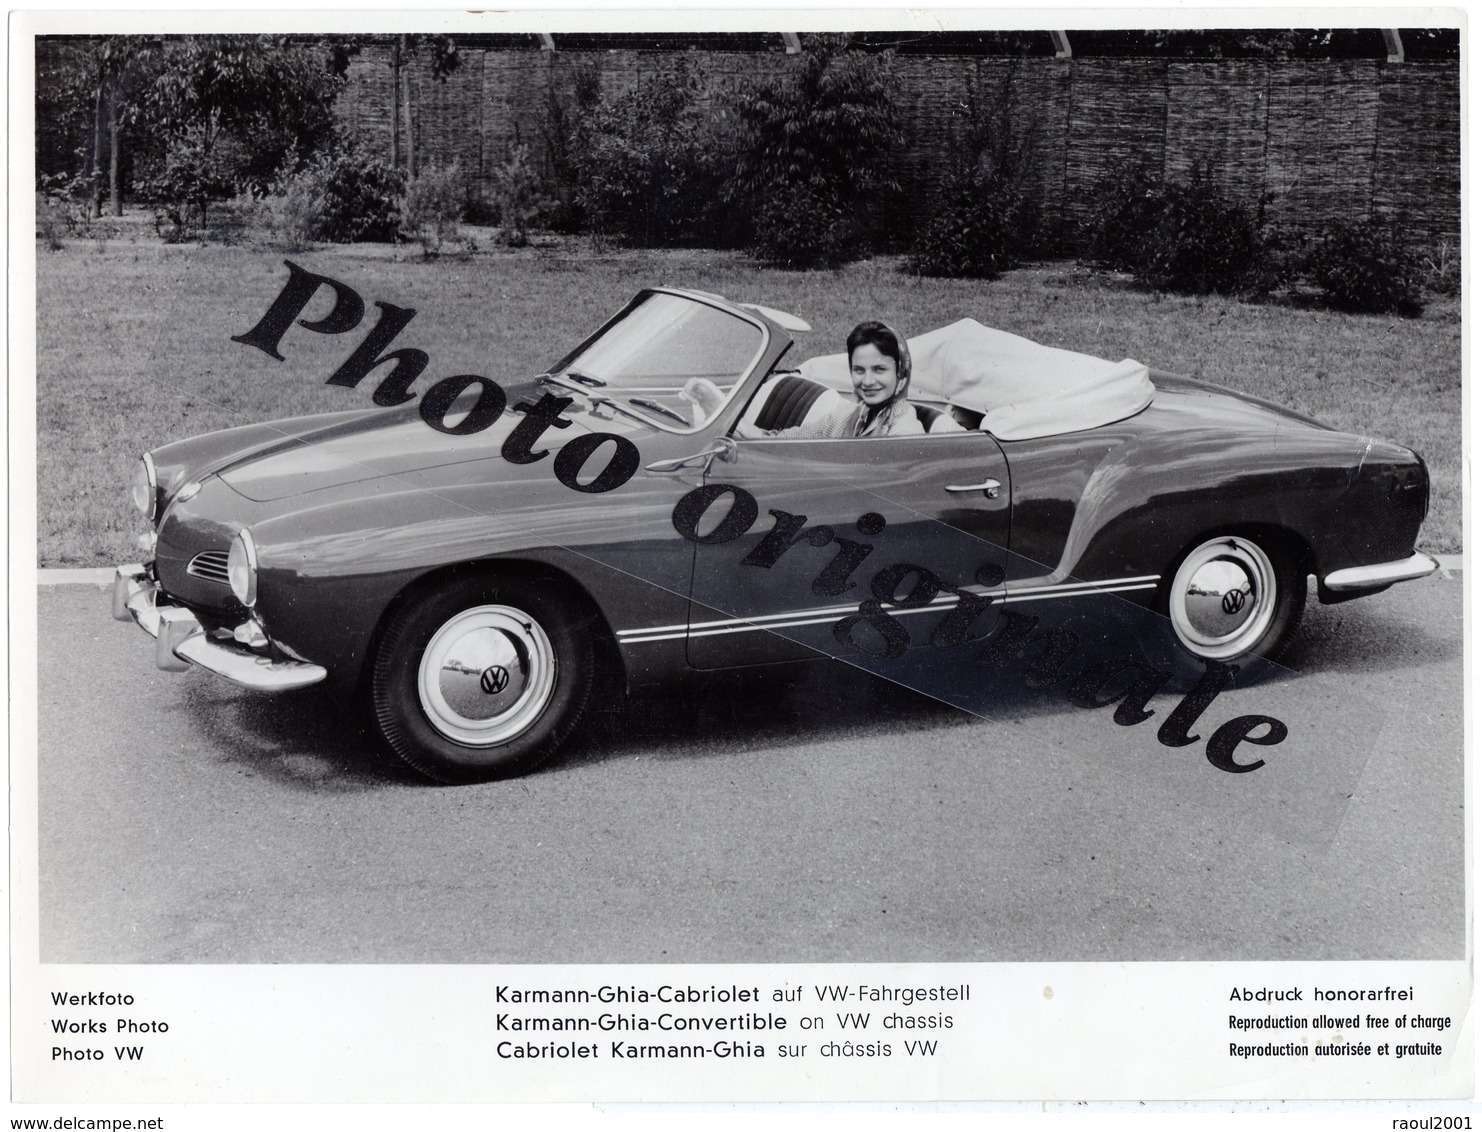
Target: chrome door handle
(989, 487)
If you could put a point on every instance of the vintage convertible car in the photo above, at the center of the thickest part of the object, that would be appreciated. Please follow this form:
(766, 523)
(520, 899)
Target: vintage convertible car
(477, 587)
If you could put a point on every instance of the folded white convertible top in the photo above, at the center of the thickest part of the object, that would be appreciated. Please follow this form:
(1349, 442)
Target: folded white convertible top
(1024, 390)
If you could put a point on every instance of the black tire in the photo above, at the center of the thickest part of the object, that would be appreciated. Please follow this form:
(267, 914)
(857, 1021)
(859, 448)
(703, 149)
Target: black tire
(1234, 596)
(483, 677)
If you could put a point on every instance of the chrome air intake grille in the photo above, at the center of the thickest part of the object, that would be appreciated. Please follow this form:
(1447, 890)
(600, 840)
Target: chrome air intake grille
(210, 565)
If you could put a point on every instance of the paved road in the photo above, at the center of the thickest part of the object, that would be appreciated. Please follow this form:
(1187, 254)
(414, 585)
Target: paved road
(796, 818)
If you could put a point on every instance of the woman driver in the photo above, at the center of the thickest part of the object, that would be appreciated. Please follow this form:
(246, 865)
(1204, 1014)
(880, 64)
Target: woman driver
(880, 367)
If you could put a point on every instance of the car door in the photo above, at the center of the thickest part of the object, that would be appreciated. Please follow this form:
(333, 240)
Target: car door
(831, 515)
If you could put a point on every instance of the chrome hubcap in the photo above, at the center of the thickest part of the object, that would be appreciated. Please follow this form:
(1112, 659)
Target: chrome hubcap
(486, 675)
(1223, 598)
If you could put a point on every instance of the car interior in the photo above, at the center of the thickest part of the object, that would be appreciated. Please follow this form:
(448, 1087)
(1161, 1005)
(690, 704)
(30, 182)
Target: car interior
(786, 400)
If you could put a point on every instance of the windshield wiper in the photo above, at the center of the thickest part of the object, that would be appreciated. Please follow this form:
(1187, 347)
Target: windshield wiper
(645, 403)
(599, 400)
(573, 375)
(552, 379)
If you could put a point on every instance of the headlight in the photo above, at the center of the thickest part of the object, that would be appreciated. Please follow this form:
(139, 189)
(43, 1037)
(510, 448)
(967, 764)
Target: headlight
(144, 488)
(241, 568)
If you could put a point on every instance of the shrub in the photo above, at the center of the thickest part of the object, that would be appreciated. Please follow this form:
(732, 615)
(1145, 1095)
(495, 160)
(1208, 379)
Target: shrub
(1367, 268)
(518, 195)
(645, 163)
(341, 196)
(1128, 205)
(966, 236)
(362, 196)
(823, 139)
(1183, 237)
(63, 208)
(1441, 267)
(433, 206)
(987, 217)
(50, 223)
(186, 182)
(562, 138)
(806, 225)
(294, 211)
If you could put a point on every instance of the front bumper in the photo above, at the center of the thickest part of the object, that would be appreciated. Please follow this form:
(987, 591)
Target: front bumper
(181, 641)
(1384, 574)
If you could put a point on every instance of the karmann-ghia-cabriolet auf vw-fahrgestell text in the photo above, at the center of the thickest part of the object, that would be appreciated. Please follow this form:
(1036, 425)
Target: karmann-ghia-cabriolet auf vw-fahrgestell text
(478, 563)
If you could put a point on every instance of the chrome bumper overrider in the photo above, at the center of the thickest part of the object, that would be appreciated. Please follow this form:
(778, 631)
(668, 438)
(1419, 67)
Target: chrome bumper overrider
(180, 640)
(1367, 577)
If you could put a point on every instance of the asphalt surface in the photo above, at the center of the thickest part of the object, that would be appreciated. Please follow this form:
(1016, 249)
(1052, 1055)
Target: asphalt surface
(818, 815)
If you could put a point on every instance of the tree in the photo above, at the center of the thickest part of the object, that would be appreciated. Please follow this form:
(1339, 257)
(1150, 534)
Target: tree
(441, 54)
(87, 91)
(644, 162)
(122, 62)
(817, 148)
(233, 110)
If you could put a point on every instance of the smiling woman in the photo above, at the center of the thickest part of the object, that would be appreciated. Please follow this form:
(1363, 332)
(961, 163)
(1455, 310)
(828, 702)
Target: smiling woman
(880, 370)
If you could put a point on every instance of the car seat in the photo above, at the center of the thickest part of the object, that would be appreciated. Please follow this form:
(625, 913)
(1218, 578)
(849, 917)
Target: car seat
(790, 400)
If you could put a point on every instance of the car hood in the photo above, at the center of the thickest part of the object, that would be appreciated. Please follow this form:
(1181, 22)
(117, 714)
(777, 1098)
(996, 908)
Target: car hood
(386, 442)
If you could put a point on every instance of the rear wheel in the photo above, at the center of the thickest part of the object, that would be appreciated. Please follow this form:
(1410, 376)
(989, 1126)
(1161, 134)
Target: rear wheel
(483, 678)
(1232, 596)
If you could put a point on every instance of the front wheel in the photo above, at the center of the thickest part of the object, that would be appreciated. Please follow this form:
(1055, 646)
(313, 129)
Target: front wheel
(1231, 597)
(483, 678)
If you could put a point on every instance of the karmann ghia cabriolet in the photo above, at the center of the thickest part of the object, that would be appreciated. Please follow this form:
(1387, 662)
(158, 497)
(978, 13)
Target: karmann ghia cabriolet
(611, 529)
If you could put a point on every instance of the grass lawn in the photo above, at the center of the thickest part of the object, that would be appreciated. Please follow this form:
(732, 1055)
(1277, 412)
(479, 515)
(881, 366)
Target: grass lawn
(133, 348)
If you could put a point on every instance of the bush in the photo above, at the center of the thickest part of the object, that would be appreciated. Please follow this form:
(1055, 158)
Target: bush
(807, 225)
(987, 217)
(1441, 268)
(186, 182)
(1128, 205)
(433, 206)
(518, 195)
(823, 140)
(294, 211)
(1367, 268)
(362, 196)
(342, 196)
(1183, 237)
(965, 237)
(63, 207)
(644, 163)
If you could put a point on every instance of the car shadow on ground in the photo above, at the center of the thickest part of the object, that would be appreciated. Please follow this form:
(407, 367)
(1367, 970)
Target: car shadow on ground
(729, 712)
(1364, 636)
(309, 739)
(313, 740)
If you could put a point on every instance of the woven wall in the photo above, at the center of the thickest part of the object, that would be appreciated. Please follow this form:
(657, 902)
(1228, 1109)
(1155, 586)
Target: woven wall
(1315, 140)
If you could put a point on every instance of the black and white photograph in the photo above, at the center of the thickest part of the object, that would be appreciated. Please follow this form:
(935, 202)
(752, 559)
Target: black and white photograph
(689, 506)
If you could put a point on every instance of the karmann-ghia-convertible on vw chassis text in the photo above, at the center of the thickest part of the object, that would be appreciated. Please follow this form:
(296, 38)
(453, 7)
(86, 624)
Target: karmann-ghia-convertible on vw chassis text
(478, 575)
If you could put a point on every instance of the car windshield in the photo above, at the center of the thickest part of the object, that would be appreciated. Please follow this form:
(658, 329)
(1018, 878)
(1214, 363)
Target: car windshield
(645, 358)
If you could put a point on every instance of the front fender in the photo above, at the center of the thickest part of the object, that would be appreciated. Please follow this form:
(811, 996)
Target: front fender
(329, 573)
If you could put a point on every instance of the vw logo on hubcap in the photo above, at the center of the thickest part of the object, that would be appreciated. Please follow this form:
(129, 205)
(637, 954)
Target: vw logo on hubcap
(1234, 601)
(495, 679)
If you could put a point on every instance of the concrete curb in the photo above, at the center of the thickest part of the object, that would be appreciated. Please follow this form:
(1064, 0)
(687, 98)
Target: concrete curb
(99, 576)
(103, 575)
(1450, 563)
